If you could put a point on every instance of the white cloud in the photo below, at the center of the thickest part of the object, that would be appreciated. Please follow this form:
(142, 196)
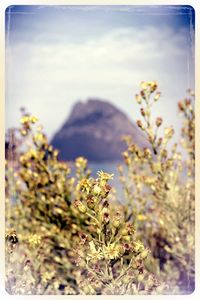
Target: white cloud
(48, 79)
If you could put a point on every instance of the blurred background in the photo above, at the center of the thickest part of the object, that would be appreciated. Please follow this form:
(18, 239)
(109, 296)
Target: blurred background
(58, 55)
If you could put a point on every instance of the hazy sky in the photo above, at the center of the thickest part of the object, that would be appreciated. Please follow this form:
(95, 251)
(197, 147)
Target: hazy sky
(56, 55)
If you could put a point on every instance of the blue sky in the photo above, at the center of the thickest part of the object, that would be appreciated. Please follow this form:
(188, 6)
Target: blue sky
(56, 55)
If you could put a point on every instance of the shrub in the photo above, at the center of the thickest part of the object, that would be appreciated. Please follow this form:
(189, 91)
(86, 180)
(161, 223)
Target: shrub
(68, 234)
(159, 188)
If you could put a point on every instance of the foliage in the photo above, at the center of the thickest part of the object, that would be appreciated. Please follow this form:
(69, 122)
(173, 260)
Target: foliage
(68, 234)
(160, 197)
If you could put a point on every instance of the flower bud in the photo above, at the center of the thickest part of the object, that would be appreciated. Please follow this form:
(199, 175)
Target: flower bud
(159, 121)
(143, 85)
(157, 96)
(181, 106)
(142, 111)
(117, 220)
(140, 125)
(81, 207)
(138, 99)
(147, 153)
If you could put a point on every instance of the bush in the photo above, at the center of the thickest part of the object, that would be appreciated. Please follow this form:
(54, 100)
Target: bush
(70, 235)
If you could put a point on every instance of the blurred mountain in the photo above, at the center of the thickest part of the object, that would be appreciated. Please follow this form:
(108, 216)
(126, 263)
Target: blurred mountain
(94, 130)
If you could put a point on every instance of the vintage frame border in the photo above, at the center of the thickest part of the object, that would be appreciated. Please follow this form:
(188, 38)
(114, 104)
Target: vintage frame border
(3, 5)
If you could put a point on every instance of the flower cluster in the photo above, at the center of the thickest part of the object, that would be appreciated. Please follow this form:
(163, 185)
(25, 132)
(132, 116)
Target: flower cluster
(158, 194)
(70, 234)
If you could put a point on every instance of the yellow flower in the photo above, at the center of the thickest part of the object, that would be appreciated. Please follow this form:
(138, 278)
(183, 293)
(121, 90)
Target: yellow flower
(34, 240)
(94, 253)
(152, 85)
(33, 119)
(144, 85)
(24, 119)
(47, 276)
(104, 176)
(81, 162)
(111, 251)
(85, 185)
(138, 246)
(141, 217)
(39, 137)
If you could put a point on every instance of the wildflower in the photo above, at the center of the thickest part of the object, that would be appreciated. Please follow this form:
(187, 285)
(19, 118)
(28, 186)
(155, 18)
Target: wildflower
(24, 119)
(34, 240)
(46, 276)
(104, 176)
(111, 251)
(144, 85)
(94, 254)
(81, 162)
(127, 230)
(153, 86)
(40, 137)
(85, 185)
(97, 189)
(33, 119)
(138, 246)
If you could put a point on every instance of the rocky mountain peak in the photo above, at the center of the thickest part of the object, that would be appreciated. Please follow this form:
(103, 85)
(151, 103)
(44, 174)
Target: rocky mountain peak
(94, 130)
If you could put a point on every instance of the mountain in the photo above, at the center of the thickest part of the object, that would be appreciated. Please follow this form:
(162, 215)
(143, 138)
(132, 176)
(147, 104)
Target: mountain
(94, 130)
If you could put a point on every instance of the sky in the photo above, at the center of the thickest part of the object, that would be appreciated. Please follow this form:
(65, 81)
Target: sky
(58, 55)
